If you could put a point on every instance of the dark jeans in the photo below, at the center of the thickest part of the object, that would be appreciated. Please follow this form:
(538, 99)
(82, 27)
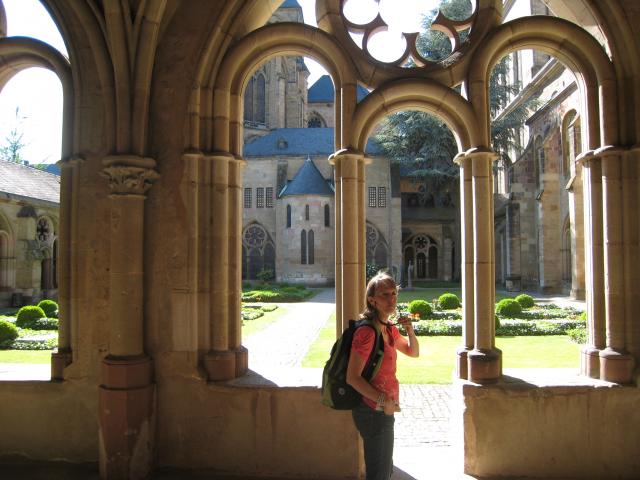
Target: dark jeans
(376, 430)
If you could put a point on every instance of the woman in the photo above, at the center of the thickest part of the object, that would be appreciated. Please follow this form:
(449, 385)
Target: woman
(380, 396)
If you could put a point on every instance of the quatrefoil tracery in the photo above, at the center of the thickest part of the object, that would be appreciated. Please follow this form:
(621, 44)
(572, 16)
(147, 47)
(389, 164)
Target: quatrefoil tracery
(411, 55)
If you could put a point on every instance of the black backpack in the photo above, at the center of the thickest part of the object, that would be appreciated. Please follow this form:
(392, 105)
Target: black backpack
(336, 392)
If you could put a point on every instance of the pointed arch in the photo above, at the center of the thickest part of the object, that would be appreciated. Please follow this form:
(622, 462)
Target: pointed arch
(570, 44)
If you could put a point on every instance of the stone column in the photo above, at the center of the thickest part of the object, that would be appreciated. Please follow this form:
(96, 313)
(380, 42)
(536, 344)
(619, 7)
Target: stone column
(594, 263)
(62, 356)
(338, 243)
(348, 298)
(484, 361)
(362, 234)
(127, 390)
(616, 364)
(235, 267)
(220, 362)
(466, 260)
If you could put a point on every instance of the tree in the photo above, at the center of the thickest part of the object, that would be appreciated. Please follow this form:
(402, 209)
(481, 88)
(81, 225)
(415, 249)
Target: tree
(11, 151)
(422, 145)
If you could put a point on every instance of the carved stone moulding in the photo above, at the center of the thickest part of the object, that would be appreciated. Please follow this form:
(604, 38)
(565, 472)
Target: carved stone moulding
(129, 174)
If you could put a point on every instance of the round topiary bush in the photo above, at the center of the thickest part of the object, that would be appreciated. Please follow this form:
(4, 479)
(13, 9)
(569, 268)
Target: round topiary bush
(8, 333)
(28, 315)
(50, 308)
(508, 307)
(421, 307)
(525, 301)
(448, 301)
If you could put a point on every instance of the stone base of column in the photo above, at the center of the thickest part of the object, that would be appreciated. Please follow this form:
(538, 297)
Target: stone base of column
(126, 425)
(462, 371)
(484, 366)
(242, 361)
(590, 362)
(220, 365)
(60, 359)
(616, 366)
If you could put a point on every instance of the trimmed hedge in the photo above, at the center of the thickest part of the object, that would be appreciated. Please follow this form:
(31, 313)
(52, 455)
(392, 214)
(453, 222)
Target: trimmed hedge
(525, 301)
(28, 315)
(448, 301)
(49, 307)
(281, 293)
(8, 333)
(421, 307)
(508, 307)
(503, 327)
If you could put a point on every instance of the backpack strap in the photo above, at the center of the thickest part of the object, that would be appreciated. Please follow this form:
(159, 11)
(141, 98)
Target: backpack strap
(374, 361)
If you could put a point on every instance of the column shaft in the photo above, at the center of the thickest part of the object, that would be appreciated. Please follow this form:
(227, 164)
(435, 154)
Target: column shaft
(615, 362)
(466, 259)
(340, 324)
(362, 236)
(220, 362)
(594, 263)
(631, 230)
(484, 361)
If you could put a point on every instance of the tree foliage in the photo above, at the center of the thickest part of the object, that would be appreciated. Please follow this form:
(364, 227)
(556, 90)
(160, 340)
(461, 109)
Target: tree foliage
(11, 151)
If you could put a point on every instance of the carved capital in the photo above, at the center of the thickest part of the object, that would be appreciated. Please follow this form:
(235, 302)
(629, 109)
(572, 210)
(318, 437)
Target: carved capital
(129, 174)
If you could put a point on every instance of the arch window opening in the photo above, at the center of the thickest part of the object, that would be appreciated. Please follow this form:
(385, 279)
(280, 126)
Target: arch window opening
(31, 143)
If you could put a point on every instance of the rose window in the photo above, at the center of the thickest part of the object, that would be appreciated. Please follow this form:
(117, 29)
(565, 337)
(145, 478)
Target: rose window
(254, 236)
(421, 242)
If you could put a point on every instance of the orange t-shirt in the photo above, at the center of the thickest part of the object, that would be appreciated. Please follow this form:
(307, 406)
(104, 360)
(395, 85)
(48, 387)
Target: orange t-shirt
(385, 380)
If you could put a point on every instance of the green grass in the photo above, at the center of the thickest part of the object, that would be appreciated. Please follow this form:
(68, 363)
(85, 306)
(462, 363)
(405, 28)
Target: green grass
(437, 359)
(250, 327)
(25, 356)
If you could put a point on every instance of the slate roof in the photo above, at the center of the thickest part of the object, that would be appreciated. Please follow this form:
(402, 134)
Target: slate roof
(298, 142)
(322, 91)
(21, 181)
(290, 4)
(308, 181)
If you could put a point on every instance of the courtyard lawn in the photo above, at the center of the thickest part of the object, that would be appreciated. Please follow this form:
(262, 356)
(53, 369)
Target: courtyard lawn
(431, 293)
(437, 357)
(249, 327)
(25, 356)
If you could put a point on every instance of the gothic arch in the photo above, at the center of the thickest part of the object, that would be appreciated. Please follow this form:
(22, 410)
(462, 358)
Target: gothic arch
(20, 53)
(570, 44)
(420, 94)
(255, 49)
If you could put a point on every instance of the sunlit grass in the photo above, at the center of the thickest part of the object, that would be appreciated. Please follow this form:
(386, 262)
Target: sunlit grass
(250, 327)
(438, 354)
(25, 356)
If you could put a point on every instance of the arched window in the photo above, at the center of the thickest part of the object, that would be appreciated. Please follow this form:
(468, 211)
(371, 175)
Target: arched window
(260, 100)
(327, 215)
(258, 252)
(316, 121)
(248, 102)
(433, 262)
(306, 212)
(303, 247)
(310, 248)
(288, 216)
(4, 260)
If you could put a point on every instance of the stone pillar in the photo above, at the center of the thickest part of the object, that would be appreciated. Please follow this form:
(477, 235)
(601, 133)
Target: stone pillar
(484, 361)
(362, 234)
(62, 356)
(594, 263)
(235, 267)
(338, 243)
(220, 362)
(348, 298)
(616, 364)
(126, 428)
(466, 260)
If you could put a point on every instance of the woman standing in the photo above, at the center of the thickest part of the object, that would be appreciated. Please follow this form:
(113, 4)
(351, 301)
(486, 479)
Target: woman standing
(380, 396)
